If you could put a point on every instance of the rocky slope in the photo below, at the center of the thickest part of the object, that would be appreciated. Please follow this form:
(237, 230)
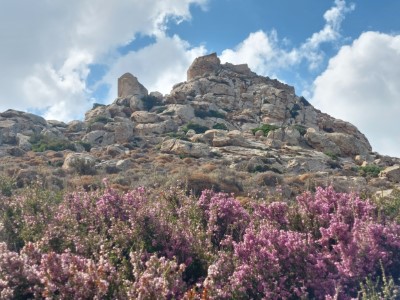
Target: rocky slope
(225, 127)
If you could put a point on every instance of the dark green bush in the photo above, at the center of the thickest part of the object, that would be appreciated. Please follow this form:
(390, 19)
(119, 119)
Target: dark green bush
(150, 101)
(332, 155)
(86, 146)
(196, 127)
(369, 171)
(294, 112)
(301, 129)
(101, 119)
(208, 114)
(96, 105)
(304, 101)
(221, 126)
(265, 128)
(41, 143)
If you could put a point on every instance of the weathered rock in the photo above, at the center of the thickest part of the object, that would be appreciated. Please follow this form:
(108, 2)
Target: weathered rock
(124, 164)
(349, 145)
(221, 138)
(320, 141)
(128, 85)
(392, 173)
(81, 162)
(155, 128)
(179, 113)
(123, 131)
(136, 103)
(145, 117)
(75, 126)
(185, 148)
(99, 137)
(56, 123)
(203, 65)
(115, 150)
(23, 142)
(98, 113)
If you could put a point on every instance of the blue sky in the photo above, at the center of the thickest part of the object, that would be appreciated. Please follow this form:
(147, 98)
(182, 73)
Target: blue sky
(57, 58)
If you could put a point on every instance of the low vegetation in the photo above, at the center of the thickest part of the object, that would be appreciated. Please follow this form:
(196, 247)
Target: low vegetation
(41, 143)
(208, 114)
(369, 170)
(265, 128)
(196, 127)
(167, 243)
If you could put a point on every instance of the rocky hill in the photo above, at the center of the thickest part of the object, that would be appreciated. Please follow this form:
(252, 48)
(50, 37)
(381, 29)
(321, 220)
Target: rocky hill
(225, 127)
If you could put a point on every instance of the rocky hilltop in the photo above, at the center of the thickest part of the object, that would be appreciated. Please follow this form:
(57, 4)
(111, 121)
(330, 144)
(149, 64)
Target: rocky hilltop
(225, 127)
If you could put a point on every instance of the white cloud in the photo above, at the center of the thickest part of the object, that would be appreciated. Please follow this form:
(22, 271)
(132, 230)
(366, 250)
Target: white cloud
(260, 51)
(264, 52)
(158, 66)
(361, 85)
(47, 46)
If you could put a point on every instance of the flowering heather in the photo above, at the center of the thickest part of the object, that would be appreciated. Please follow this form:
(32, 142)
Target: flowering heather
(166, 244)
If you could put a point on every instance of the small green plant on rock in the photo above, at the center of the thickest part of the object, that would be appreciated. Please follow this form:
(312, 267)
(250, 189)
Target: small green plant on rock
(42, 143)
(369, 171)
(265, 128)
(208, 114)
(196, 127)
(332, 155)
(220, 126)
(301, 129)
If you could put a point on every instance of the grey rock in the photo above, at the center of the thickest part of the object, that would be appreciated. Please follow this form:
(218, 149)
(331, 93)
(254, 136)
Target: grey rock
(128, 85)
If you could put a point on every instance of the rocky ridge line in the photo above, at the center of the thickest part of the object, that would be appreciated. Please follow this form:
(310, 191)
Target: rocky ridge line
(223, 114)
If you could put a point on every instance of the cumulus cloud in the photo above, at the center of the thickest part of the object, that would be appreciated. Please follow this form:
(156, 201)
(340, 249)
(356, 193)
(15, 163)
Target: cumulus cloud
(47, 50)
(361, 85)
(158, 66)
(265, 53)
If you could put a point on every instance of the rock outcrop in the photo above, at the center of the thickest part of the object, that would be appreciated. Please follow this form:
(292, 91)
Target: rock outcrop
(224, 115)
(128, 85)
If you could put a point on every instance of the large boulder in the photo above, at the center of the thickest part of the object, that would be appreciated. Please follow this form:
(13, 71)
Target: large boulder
(155, 128)
(99, 137)
(123, 131)
(184, 148)
(319, 141)
(203, 65)
(392, 173)
(145, 117)
(128, 85)
(79, 162)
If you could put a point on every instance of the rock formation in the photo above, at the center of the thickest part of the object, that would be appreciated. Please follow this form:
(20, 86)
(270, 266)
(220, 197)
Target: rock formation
(224, 115)
(128, 85)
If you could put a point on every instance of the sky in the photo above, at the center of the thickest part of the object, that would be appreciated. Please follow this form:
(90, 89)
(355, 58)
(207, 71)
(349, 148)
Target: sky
(57, 57)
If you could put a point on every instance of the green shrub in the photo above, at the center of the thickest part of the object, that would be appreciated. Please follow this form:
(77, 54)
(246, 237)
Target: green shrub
(332, 155)
(369, 171)
(220, 126)
(101, 119)
(179, 136)
(6, 186)
(379, 289)
(196, 127)
(304, 101)
(86, 146)
(301, 129)
(265, 128)
(41, 143)
(96, 105)
(294, 112)
(208, 114)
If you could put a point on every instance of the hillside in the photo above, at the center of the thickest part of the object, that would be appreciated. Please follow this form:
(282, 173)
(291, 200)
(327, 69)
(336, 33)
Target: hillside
(225, 127)
(229, 187)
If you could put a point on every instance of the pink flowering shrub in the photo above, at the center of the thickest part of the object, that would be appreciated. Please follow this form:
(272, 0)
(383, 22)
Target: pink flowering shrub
(166, 244)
